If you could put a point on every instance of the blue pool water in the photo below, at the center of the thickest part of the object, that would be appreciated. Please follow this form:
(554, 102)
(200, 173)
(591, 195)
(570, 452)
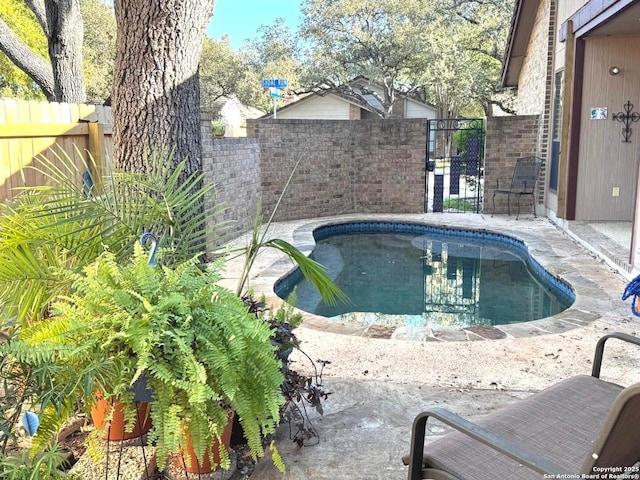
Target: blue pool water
(424, 276)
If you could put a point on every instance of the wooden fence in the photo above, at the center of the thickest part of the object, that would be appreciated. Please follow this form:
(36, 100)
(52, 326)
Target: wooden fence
(29, 130)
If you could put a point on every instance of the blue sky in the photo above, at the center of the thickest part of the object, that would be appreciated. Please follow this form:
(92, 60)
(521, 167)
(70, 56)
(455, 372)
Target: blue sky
(240, 19)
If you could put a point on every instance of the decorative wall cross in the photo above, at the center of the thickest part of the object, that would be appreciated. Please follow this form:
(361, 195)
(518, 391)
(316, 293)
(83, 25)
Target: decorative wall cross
(628, 117)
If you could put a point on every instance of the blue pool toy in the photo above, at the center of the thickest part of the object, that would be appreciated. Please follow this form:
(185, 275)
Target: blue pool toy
(633, 289)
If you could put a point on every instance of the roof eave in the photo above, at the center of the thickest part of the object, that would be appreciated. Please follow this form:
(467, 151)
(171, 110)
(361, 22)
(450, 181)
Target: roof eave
(522, 22)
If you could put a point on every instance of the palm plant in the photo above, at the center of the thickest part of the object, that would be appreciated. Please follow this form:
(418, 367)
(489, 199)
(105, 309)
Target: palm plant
(64, 225)
(313, 271)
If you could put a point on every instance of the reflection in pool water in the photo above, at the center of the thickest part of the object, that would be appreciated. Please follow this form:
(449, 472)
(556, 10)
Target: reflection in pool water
(428, 280)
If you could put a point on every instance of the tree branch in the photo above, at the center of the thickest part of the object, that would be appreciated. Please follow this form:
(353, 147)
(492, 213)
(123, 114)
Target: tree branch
(38, 69)
(503, 106)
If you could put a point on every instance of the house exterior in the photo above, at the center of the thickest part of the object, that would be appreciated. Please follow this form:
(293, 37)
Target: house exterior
(576, 64)
(339, 105)
(234, 116)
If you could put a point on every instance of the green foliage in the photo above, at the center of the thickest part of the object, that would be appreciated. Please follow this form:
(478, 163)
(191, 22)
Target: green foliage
(13, 81)
(48, 229)
(200, 350)
(460, 67)
(313, 271)
(98, 49)
(461, 137)
(19, 465)
(14, 393)
(217, 127)
(379, 40)
(223, 73)
(273, 54)
(458, 204)
(449, 53)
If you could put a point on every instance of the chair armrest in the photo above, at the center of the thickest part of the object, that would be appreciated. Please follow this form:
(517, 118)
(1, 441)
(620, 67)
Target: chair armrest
(597, 359)
(505, 447)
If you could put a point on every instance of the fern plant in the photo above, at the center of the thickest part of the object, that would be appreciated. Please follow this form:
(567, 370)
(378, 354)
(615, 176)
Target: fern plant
(200, 350)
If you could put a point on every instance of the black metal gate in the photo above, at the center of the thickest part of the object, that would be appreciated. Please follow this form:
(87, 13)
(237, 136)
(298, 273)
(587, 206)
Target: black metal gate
(454, 164)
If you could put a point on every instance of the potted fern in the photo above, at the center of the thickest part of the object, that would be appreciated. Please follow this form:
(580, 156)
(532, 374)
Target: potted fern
(200, 350)
(54, 270)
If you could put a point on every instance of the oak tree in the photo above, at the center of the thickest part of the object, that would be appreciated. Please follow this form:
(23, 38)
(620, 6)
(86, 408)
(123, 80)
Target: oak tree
(60, 76)
(156, 94)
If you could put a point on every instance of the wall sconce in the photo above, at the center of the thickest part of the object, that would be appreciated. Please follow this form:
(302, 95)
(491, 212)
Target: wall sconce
(614, 70)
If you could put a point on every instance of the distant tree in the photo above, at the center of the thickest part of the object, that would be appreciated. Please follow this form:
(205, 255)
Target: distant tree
(60, 78)
(222, 72)
(380, 40)
(445, 71)
(484, 26)
(448, 52)
(272, 54)
(99, 49)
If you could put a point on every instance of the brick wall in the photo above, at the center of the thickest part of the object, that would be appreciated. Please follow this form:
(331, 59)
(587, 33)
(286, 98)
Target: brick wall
(232, 165)
(365, 166)
(508, 138)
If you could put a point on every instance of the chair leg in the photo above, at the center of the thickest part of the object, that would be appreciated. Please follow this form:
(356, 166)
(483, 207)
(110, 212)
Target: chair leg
(494, 204)
(518, 214)
(509, 204)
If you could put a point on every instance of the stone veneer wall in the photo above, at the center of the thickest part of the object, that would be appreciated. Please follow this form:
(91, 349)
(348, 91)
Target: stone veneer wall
(232, 165)
(508, 138)
(362, 166)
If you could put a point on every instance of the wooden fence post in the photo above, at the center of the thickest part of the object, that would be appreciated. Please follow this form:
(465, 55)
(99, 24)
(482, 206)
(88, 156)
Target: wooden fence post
(98, 153)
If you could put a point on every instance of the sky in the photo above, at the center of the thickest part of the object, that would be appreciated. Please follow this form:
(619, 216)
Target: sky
(240, 19)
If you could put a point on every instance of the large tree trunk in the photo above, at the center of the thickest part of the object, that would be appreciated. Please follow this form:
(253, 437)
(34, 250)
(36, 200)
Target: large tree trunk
(156, 95)
(65, 34)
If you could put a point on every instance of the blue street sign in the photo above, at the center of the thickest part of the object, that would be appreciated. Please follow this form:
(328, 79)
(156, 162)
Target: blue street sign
(274, 83)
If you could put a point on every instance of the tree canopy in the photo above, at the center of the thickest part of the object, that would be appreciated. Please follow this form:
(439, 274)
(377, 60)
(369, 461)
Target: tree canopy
(379, 40)
(59, 77)
(448, 53)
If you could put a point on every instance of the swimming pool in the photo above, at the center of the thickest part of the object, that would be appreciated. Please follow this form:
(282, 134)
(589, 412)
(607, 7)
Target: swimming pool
(426, 276)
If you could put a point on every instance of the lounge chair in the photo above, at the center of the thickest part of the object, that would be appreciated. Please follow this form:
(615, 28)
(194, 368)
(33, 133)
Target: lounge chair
(523, 182)
(582, 425)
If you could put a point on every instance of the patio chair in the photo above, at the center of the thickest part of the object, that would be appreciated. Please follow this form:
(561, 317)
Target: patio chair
(582, 425)
(523, 182)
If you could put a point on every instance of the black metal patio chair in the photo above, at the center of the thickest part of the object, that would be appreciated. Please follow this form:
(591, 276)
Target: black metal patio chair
(525, 176)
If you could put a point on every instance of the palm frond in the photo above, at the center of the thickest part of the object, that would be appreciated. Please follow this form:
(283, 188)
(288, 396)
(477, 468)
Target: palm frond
(313, 271)
(65, 225)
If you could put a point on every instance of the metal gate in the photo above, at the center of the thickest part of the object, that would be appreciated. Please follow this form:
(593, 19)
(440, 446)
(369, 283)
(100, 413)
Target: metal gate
(454, 165)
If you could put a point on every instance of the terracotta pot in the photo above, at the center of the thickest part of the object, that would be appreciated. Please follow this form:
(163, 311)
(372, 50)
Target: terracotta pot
(116, 431)
(188, 460)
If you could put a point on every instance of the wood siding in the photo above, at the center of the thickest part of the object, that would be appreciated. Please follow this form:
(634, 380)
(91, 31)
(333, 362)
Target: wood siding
(417, 110)
(605, 161)
(328, 107)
